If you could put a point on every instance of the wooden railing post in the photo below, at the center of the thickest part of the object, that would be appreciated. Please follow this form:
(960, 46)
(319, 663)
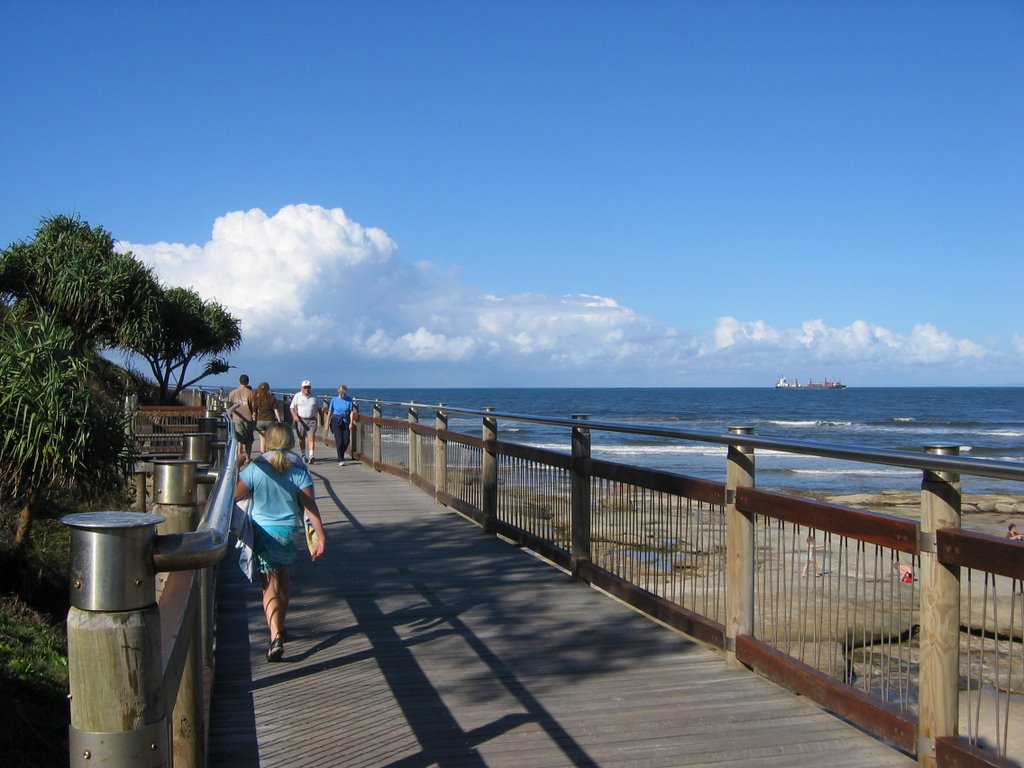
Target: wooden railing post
(118, 716)
(940, 612)
(580, 496)
(355, 447)
(131, 405)
(141, 486)
(739, 538)
(440, 454)
(198, 447)
(176, 501)
(414, 444)
(378, 414)
(490, 472)
(215, 424)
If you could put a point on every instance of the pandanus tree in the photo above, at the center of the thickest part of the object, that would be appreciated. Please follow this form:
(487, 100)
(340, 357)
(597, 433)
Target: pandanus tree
(186, 329)
(55, 431)
(65, 296)
(72, 272)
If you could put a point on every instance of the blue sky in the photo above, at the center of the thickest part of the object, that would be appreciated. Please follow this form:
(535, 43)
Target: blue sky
(547, 193)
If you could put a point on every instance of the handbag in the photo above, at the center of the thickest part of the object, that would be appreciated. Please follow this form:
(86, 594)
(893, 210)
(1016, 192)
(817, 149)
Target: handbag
(311, 538)
(241, 527)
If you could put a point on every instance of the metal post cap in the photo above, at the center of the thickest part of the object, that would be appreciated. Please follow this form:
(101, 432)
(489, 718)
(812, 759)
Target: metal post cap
(111, 553)
(174, 481)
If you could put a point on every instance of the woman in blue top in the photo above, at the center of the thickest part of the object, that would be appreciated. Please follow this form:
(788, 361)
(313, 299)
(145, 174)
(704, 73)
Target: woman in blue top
(280, 488)
(339, 419)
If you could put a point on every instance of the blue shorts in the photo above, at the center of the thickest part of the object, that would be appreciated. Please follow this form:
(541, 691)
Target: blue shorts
(273, 546)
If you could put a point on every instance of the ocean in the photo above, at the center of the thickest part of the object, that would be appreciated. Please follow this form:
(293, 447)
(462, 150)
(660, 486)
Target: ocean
(985, 422)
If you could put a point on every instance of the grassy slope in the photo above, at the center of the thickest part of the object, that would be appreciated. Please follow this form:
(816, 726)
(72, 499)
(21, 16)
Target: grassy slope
(33, 650)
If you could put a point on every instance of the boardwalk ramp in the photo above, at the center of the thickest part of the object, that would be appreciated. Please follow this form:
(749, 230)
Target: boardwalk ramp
(420, 641)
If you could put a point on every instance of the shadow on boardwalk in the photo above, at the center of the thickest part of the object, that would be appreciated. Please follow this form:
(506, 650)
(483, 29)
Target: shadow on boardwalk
(420, 641)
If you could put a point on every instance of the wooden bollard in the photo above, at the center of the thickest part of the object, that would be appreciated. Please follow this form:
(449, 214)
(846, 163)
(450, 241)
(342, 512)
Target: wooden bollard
(940, 612)
(198, 447)
(114, 664)
(739, 547)
(580, 495)
(177, 496)
(412, 419)
(377, 448)
(489, 433)
(440, 455)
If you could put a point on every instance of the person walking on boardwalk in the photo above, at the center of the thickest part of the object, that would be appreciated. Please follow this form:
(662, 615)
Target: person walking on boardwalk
(242, 417)
(281, 489)
(339, 418)
(265, 411)
(306, 415)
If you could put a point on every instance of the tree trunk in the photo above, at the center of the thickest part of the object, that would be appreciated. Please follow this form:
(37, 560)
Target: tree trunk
(25, 517)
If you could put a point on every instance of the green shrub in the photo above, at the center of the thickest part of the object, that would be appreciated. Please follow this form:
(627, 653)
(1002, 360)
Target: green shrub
(33, 687)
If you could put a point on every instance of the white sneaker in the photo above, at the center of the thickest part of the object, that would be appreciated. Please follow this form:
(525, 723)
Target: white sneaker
(341, 463)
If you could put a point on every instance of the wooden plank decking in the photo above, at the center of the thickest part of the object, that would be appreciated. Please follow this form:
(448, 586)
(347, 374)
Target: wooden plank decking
(421, 641)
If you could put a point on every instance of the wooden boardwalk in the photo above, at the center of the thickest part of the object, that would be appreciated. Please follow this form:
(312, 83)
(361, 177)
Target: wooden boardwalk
(421, 641)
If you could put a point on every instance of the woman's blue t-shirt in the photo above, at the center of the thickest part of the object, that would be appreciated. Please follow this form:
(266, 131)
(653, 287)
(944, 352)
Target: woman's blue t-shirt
(341, 406)
(275, 497)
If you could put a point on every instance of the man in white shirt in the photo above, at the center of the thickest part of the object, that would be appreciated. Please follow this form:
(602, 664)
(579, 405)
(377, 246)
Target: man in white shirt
(306, 415)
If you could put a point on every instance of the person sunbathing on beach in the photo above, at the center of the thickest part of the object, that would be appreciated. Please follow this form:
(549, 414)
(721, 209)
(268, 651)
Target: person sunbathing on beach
(906, 572)
(1011, 533)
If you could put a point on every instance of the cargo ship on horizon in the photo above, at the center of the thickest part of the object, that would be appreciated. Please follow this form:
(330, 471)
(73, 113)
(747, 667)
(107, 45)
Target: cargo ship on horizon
(784, 383)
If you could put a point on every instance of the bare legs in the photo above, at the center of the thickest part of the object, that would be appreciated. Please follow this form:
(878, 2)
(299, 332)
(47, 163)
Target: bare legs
(244, 449)
(275, 601)
(305, 436)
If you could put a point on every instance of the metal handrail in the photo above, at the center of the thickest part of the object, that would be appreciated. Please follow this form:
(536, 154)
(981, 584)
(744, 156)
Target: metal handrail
(206, 545)
(968, 465)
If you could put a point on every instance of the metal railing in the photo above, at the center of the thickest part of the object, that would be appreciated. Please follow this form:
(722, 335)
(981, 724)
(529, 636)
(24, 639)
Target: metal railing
(145, 582)
(911, 629)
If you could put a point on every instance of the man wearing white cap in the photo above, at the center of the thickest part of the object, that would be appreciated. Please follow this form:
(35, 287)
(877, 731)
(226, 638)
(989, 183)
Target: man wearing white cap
(306, 416)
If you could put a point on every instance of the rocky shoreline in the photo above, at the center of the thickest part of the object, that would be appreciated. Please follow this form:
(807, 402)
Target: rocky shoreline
(984, 513)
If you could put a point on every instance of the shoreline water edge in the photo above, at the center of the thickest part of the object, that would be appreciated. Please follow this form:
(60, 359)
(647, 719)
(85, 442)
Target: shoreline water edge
(985, 422)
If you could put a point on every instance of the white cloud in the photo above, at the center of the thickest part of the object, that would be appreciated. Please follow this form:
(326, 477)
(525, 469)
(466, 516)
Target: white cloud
(421, 344)
(310, 281)
(1018, 344)
(729, 332)
(275, 273)
(858, 341)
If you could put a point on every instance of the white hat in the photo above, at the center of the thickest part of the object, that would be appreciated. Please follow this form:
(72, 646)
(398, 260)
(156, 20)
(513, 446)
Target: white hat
(306, 383)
